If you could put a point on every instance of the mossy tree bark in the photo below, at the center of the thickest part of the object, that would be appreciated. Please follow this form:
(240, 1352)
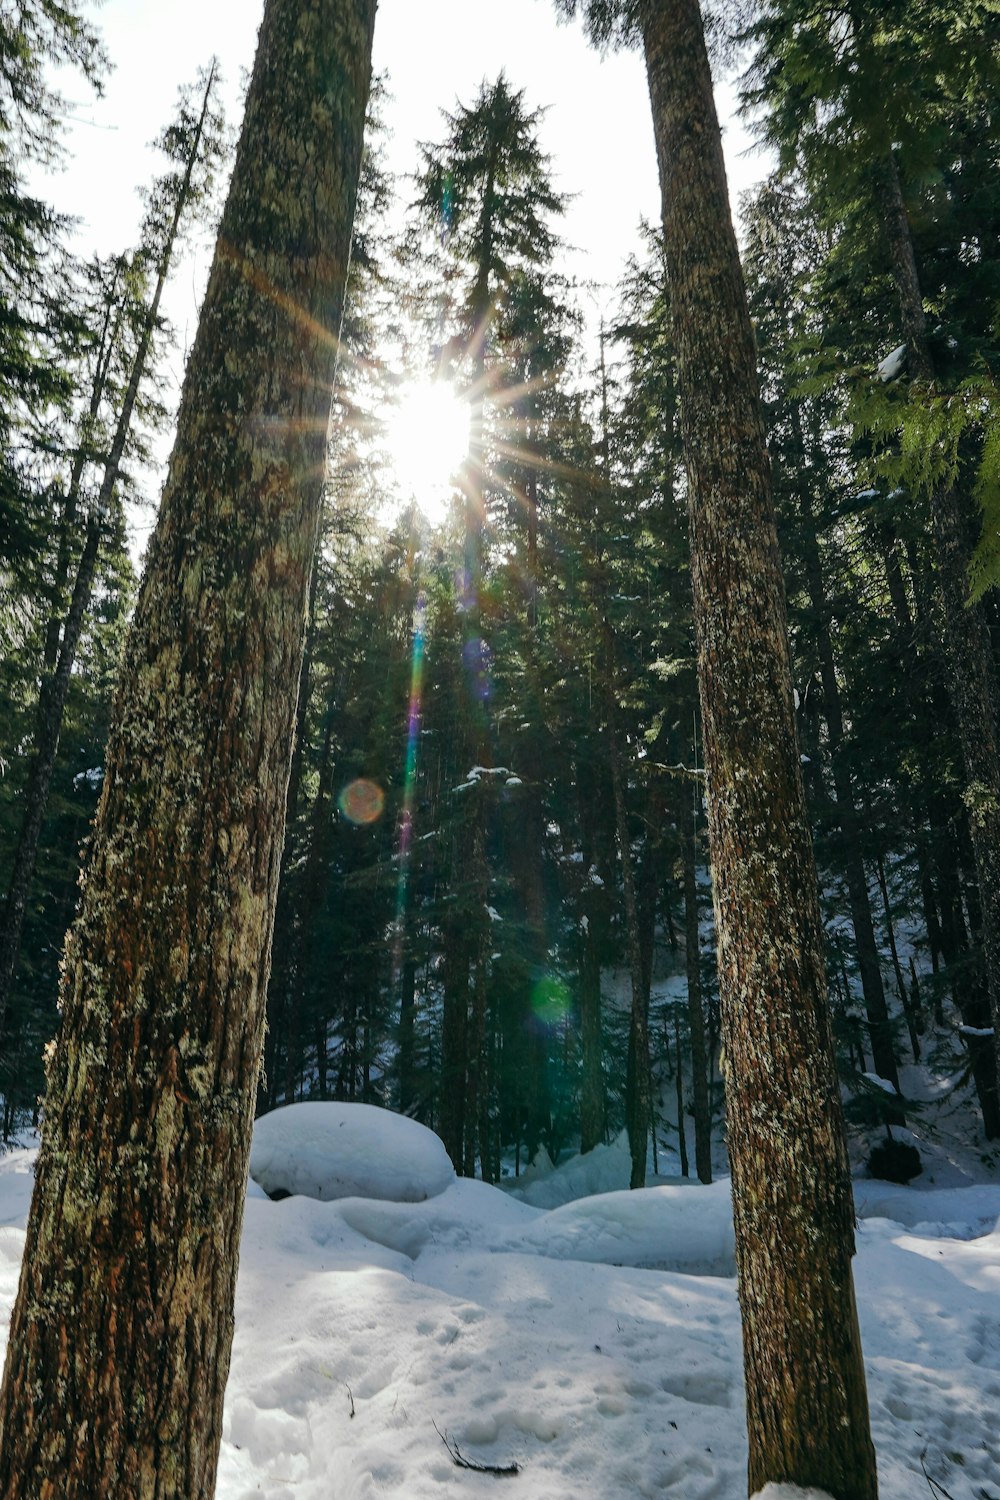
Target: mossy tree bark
(807, 1407)
(121, 1335)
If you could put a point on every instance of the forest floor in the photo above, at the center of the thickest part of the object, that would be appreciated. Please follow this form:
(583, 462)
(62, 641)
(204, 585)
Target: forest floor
(595, 1345)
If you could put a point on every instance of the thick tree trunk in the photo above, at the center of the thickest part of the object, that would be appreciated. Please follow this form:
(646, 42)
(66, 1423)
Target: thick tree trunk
(122, 1330)
(807, 1405)
(972, 675)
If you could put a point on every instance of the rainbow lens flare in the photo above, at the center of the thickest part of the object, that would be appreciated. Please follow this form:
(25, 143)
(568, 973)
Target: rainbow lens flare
(362, 801)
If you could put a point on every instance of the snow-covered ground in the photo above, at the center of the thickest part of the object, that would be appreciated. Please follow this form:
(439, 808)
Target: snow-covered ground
(595, 1345)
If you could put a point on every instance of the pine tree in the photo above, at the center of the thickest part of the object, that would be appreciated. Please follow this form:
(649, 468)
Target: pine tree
(193, 140)
(40, 327)
(485, 189)
(121, 1333)
(898, 125)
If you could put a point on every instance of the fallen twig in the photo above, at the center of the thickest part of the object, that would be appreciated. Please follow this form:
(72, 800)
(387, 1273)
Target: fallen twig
(935, 1488)
(350, 1397)
(458, 1458)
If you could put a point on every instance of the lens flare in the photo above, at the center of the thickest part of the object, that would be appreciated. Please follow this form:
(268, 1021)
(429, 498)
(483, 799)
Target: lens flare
(551, 1000)
(410, 774)
(362, 801)
(427, 438)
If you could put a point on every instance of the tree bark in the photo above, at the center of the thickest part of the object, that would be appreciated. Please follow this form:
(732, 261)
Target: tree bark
(122, 1330)
(807, 1405)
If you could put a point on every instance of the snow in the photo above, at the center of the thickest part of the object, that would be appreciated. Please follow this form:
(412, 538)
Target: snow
(880, 1083)
(596, 1343)
(326, 1151)
(893, 364)
(789, 1492)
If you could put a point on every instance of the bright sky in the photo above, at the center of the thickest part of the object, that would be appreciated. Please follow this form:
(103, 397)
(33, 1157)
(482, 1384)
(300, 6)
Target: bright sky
(597, 129)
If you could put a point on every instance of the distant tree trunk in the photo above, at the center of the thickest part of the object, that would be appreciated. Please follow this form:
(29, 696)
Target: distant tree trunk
(869, 965)
(113, 309)
(696, 1014)
(912, 1020)
(300, 978)
(679, 1086)
(407, 1051)
(637, 1099)
(593, 1103)
(55, 684)
(937, 853)
(591, 1039)
(279, 980)
(972, 675)
(807, 1405)
(121, 1334)
(454, 1040)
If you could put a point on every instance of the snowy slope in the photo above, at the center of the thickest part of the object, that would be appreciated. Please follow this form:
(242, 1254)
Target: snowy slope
(518, 1332)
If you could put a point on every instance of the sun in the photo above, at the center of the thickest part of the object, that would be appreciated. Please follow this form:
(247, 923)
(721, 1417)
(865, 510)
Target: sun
(427, 441)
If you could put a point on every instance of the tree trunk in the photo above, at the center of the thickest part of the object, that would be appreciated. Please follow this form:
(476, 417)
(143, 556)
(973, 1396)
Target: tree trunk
(593, 1104)
(696, 1014)
(869, 965)
(121, 1334)
(807, 1405)
(679, 1086)
(912, 1019)
(972, 675)
(280, 977)
(637, 1098)
(406, 1056)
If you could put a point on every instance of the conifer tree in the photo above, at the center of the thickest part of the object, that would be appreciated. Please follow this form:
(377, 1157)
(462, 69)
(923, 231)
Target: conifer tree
(870, 91)
(485, 189)
(39, 331)
(194, 142)
(121, 1334)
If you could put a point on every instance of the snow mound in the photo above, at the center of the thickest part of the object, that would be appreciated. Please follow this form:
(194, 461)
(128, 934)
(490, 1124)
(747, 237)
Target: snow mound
(974, 1209)
(677, 1228)
(603, 1170)
(327, 1151)
(788, 1492)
